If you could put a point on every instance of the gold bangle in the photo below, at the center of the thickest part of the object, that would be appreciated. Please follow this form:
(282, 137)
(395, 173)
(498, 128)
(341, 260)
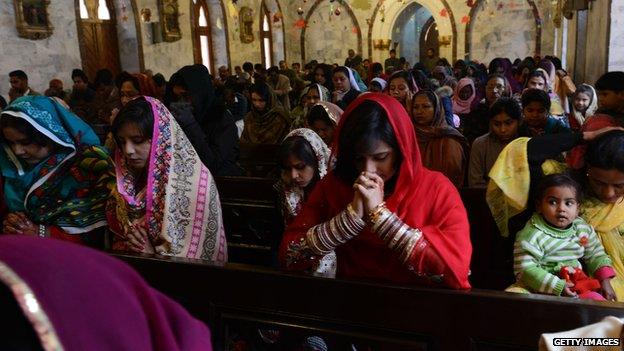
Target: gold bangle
(373, 215)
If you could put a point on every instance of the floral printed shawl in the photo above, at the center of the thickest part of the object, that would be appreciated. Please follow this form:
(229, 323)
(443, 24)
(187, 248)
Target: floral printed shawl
(180, 204)
(70, 188)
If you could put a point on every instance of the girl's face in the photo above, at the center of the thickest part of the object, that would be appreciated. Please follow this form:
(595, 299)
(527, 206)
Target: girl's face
(465, 93)
(24, 148)
(258, 102)
(535, 114)
(422, 111)
(134, 147)
(380, 160)
(581, 102)
(341, 82)
(297, 173)
(399, 89)
(494, 89)
(559, 206)
(537, 83)
(312, 97)
(606, 184)
(319, 76)
(324, 130)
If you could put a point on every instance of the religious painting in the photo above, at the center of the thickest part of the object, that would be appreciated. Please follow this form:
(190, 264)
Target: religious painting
(169, 17)
(246, 19)
(31, 19)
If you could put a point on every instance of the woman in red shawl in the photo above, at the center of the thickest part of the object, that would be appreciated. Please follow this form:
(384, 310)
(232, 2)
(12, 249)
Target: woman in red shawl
(387, 217)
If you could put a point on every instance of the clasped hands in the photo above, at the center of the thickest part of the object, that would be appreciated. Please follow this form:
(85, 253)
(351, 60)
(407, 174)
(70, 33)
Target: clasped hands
(19, 223)
(369, 193)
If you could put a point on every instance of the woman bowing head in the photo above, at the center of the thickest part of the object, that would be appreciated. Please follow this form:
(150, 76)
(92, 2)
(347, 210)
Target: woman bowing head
(56, 177)
(387, 217)
(166, 201)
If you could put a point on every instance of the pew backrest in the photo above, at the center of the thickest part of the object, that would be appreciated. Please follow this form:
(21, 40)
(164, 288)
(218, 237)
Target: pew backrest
(405, 318)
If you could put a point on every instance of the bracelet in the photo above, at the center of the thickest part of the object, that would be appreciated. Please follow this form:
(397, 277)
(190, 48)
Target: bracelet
(374, 214)
(42, 230)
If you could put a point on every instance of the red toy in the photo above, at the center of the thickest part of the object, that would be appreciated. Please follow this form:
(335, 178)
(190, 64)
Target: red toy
(584, 286)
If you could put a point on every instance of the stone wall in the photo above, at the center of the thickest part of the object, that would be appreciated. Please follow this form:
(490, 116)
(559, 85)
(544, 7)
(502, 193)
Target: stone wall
(42, 60)
(502, 29)
(616, 44)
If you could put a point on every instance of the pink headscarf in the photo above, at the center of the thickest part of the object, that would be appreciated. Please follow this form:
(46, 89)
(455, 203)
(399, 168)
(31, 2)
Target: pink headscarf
(463, 106)
(77, 298)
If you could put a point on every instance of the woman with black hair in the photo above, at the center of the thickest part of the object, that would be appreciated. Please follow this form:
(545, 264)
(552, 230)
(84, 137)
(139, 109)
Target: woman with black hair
(371, 208)
(323, 120)
(442, 147)
(57, 178)
(165, 201)
(346, 88)
(402, 87)
(323, 75)
(267, 122)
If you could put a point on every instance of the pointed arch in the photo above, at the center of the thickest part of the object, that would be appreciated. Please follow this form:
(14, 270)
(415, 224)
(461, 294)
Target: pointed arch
(447, 21)
(472, 16)
(349, 11)
(210, 37)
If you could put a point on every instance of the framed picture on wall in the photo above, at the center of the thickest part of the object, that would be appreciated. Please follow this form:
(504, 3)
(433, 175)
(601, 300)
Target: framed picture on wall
(32, 20)
(169, 17)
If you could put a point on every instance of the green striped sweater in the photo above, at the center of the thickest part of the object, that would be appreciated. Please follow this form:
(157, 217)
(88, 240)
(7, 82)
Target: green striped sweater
(541, 250)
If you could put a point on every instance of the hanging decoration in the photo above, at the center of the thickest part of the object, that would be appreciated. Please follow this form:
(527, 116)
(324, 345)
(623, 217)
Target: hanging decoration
(124, 15)
(277, 16)
(300, 23)
(470, 3)
(300, 11)
(465, 19)
(337, 11)
(443, 13)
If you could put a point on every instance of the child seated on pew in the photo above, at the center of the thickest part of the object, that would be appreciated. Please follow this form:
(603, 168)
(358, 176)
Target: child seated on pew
(548, 249)
(303, 160)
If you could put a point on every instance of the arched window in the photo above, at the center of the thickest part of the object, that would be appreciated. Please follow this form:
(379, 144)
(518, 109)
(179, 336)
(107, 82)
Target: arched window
(266, 38)
(202, 49)
(83, 10)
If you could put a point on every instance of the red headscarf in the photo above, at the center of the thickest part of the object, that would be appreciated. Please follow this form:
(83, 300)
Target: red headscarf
(423, 199)
(576, 157)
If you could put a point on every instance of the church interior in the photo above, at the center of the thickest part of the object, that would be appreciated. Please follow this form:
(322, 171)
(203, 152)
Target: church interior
(250, 175)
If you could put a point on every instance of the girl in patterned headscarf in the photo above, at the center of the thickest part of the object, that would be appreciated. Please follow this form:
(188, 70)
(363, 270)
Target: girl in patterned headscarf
(166, 201)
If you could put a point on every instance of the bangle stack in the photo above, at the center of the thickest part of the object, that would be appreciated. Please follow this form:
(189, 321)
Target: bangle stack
(42, 231)
(325, 237)
(391, 229)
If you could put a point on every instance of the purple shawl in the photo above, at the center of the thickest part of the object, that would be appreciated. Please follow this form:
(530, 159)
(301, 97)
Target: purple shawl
(82, 299)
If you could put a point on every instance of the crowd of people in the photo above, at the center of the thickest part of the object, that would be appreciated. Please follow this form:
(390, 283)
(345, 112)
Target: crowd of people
(371, 158)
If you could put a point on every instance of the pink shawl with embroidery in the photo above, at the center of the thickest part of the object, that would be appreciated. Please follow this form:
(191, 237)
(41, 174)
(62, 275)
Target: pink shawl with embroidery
(182, 211)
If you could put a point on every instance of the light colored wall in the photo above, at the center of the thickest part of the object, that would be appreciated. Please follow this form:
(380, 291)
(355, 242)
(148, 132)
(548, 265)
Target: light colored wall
(42, 60)
(503, 32)
(616, 43)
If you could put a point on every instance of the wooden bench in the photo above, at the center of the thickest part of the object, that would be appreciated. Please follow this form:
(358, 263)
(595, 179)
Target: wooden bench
(492, 255)
(254, 228)
(389, 317)
(251, 218)
(259, 160)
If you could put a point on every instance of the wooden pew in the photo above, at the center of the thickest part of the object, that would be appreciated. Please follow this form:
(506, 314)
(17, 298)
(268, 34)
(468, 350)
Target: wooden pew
(492, 255)
(401, 318)
(254, 227)
(259, 160)
(251, 218)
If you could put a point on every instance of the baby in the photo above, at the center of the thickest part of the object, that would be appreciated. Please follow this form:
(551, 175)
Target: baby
(548, 249)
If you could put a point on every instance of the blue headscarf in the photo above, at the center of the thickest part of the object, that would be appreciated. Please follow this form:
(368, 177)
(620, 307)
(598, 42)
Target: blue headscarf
(69, 187)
